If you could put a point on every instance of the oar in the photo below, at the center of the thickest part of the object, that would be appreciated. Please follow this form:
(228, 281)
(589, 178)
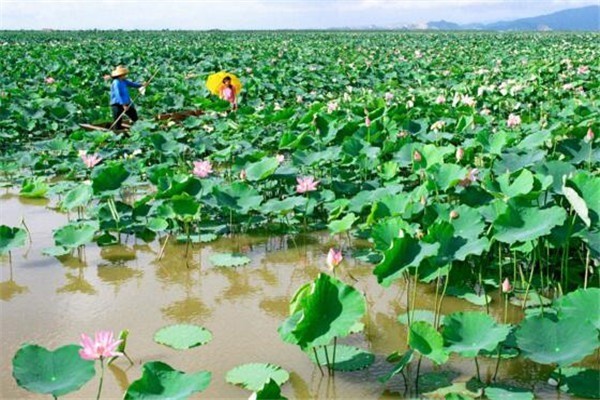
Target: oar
(124, 111)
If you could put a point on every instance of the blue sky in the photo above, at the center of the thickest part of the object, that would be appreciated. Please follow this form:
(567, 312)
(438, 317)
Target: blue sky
(262, 14)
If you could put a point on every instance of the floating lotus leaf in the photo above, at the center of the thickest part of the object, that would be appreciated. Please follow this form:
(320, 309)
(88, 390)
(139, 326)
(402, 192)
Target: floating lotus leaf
(579, 382)
(347, 358)
(57, 372)
(505, 392)
(229, 259)
(270, 391)
(423, 337)
(467, 333)
(34, 188)
(405, 252)
(255, 376)
(11, 238)
(161, 381)
(325, 309)
(183, 336)
(550, 341)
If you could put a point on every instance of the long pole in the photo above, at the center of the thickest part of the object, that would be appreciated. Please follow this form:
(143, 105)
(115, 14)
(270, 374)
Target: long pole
(124, 110)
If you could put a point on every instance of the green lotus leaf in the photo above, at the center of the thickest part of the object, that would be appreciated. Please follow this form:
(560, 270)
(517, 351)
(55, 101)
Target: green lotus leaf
(261, 169)
(255, 376)
(11, 238)
(446, 176)
(79, 196)
(228, 260)
(34, 188)
(185, 206)
(325, 309)
(56, 251)
(274, 206)
(581, 305)
(577, 204)
(404, 253)
(203, 238)
(270, 391)
(384, 232)
(550, 341)
(157, 224)
(455, 391)
(238, 197)
(432, 381)
(589, 188)
(425, 339)
(467, 333)
(502, 392)
(183, 336)
(579, 382)
(522, 183)
(161, 381)
(347, 358)
(558, 170)
(75, 234)
(108, 178)
(403, 361)
(342, 225)
(57, 372)
(521, 224)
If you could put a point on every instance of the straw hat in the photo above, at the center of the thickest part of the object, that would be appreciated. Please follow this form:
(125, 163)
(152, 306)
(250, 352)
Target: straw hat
(119, 71)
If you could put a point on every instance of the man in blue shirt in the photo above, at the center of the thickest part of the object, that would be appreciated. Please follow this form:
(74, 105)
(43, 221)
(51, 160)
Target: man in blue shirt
(120, 101)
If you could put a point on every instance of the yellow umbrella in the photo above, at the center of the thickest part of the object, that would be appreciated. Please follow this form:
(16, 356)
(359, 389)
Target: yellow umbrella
(214, 82)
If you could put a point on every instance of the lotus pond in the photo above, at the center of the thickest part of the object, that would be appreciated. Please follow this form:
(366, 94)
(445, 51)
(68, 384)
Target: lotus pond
(385, 215)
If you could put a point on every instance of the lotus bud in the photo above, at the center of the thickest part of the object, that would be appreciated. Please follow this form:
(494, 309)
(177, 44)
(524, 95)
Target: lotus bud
(506, 287)
(402, 134)
(589, 136)
(417, 156)
(419, 234)
(423, 200)
(334, 258)
(243, 174)
(367, 121)
(400, 233)
(460, 153)
(454, 214)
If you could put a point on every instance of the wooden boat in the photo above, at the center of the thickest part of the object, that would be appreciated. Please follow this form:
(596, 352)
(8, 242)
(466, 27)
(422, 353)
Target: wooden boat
(174, 116)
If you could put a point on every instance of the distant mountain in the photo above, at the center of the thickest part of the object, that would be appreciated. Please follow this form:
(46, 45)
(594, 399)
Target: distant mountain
(574, 19)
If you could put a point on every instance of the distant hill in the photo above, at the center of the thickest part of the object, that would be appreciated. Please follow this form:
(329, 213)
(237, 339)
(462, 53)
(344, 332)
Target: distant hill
(574, 19)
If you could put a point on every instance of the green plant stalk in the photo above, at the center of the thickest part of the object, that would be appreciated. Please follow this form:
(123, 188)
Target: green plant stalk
(477, 369)
(587, 268)
(528, 284)
(438, 311)
(417, 378)
(327, 360)
(333, 358)
(317, 360)
(101, 378)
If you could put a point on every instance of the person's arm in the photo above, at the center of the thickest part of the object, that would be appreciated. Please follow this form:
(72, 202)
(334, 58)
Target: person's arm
(133, 84)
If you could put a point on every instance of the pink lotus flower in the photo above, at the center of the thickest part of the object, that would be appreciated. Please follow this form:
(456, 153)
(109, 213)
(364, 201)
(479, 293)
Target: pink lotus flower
(417, 156)
(589, 136)
(440, 99)
(584, 69)
(460, 153)
(49, 80)
(513, 120)
(471, 177)
(202, 168)
(506, 287)
(334, 258)
(332, 106)
(280, 158)
(306, 184)
(389, 97)
(90, 160)
(103, 346)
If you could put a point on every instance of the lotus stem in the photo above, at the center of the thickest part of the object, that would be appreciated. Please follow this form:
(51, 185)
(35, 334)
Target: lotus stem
(333, 360)
(162, 249)
(318, 362)
(327, 360)
(438, 311)
(477, 369)
(587, 268)
(101, 377)
(417, 378)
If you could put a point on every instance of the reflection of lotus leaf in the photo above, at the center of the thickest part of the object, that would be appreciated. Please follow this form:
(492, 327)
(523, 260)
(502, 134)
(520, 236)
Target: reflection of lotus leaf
(10, 289)
(186, 311)
(347, 358)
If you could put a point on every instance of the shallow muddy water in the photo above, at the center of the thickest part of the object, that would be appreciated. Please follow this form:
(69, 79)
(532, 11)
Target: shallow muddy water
(50, 302)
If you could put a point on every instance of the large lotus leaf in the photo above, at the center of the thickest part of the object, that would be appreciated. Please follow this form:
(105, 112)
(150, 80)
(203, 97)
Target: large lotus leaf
(520, 185)
(57, 372)
(577, 204)
(238, 196)
(504, 392)
(579, 382)
(34, 188)
(557, 170)
(446, 176)
(11, 238)
(108, 178)
(275, 206)
(342, 225)
(581, 305)
(185, 206)
(469, 222)
(563, 341)
(405, 252)
(403, 361)
(589, 188)
(592, 239)
(384, 232)
(511, 162)
(467, 333)
(183, 336)
(157, 224)
(229, 259)
(255, 376)
(521, 224)
(270, 391)
(425, 339)
(328, 309)
(451, 247)
(261, 169)
(169, 186)
(75, 234)
(347, 358)
(79, 196)
(161, 381)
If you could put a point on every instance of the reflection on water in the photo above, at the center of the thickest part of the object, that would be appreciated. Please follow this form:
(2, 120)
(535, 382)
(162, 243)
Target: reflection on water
(128, 287)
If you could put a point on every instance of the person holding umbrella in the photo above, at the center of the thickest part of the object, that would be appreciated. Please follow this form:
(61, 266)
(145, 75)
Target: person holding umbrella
(120, 101)
(225, 85)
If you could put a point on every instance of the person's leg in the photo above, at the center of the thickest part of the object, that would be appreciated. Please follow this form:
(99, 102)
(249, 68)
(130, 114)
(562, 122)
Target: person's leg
(132, 113)
(117, 110)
